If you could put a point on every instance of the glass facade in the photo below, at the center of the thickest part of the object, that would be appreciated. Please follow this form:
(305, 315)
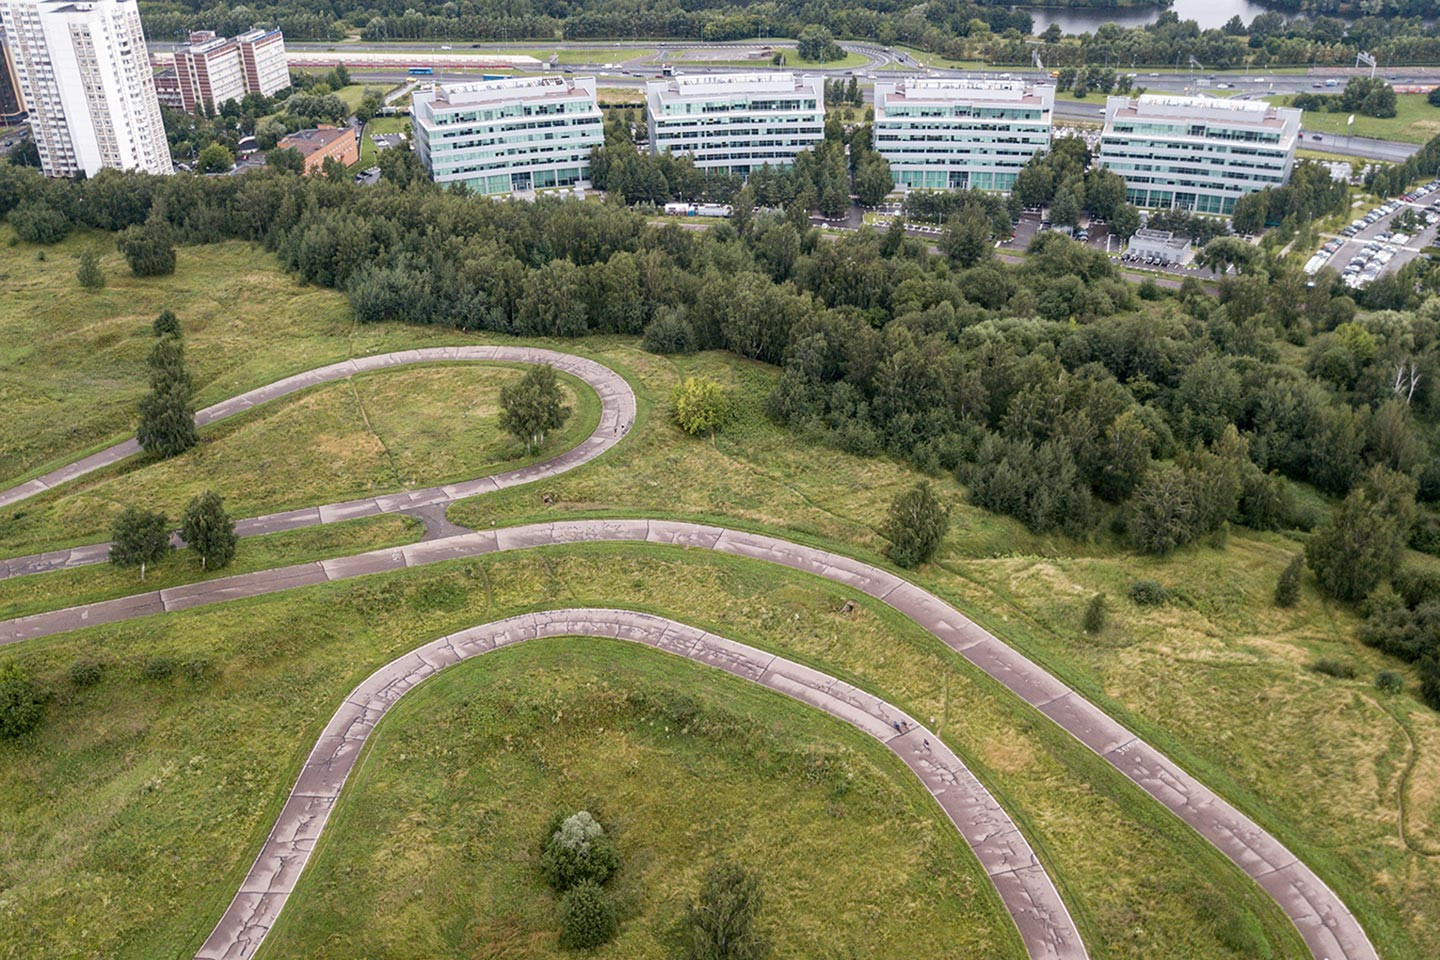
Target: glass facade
(736, 122)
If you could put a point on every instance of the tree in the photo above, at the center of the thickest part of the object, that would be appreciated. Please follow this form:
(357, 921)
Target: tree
(208, 530)
(723, 923)
(89, 274)
(818, 44)
(400, 166)
(285, 160)
(873, 180)
(1125, 221)
(148, 248)
(587, 917)
(139, 538)
(533, 405)
(166, 324)
(167, 415)
(1356, 549)
(967, 237)
(1287, 590)
(22, 702)
(701, 406)
(917, 525)
(35, 221)
(214, 159)
(578, 851)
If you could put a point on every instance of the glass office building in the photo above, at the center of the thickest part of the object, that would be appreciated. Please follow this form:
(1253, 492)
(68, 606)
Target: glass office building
(736, 122)
(960, 134)
(1197, 153)
(507, 136)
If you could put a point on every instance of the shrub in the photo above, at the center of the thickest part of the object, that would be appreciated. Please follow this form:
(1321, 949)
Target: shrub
(1287, 590)
(723, 923)
(701, 406)
(148, 248)
(669, 333)
(1416, 585)
(22, 702)
(1389, 681)
(578, 851)
(166, 324)
(197, 669)
(587, 918)
(917, 525)
(1148, 593)
(86, 673)
(1333, 668)
(88, 273)
(158, 668)
(1430, 680)
(1095, 614)
(38, 222)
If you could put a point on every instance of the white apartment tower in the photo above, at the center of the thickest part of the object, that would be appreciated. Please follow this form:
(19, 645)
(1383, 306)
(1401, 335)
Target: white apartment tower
(86, 78)
(508, 136)
(1197, 153)
(960, 134)
(736, 122)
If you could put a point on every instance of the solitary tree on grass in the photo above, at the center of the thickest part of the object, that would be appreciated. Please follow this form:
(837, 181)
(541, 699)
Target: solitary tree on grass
(149, 248)
(139, 538)
(723, 924)
(22, 702)
(89, 274)
(701, 406)
(167, 416)
(208, 530)
(532, 406)
(917, 524)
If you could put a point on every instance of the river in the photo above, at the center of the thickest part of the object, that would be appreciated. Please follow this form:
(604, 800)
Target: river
(1208, 13)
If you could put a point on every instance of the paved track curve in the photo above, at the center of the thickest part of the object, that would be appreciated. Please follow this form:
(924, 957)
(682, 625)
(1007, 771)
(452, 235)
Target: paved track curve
(617, 414)
(1025, 888)
(1325, 923)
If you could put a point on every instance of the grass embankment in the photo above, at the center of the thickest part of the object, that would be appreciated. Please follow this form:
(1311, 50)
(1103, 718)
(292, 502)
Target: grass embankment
(1219, 678)
(683, 764)
(386, 431)
(1415, 120)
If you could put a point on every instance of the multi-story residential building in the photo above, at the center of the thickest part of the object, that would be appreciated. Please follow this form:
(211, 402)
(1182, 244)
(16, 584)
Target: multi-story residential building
(1197, 153)
(211, 70)
(960, 134)
(85, 76)
(736, 122)
(208, 72)
(508, 135)
(12, 105)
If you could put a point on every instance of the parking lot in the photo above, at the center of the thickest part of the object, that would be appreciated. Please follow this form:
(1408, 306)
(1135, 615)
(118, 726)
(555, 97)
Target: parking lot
(1375, 244)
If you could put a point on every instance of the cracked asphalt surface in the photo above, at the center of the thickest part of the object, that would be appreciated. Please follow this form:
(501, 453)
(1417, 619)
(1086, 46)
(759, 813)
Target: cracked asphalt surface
(1325, 923)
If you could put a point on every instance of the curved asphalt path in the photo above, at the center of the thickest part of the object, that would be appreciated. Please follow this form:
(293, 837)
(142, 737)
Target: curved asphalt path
(1325, 923)
(1327, 926)
(1034, 904)
(617, 414)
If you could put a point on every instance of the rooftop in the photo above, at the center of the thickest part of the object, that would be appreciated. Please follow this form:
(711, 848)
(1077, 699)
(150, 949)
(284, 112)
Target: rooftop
(702, 85)
(507, 90)
(1161, 238)
(1245, 113)
(311, 141)
(958, 90)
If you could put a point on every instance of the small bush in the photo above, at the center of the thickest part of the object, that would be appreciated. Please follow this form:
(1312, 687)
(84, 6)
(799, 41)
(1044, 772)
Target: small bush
(22, 702)
(166, 324)
(1095, 614)
(158, 668)
(1333, 668)
(1416, 585)
(1388, 681)
(88, 273)
(587, 917)
(578, 851)
(86, 673)
(197, 669)
(669, 333)
(1148, 593)
(1287, 589)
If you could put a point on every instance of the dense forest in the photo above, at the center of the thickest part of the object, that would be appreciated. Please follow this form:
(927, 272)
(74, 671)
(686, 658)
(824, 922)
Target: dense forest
(1061, 394)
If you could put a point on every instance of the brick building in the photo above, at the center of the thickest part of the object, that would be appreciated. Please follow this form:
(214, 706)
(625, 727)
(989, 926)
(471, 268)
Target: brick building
(315, 145)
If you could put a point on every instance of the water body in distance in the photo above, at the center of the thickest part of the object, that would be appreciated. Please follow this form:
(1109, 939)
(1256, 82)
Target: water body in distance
(1209, 14)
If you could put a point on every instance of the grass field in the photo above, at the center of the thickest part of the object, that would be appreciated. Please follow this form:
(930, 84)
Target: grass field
(1415, 121)
(1347, 776)
(683, 766)
(379, 125)
(394, 430)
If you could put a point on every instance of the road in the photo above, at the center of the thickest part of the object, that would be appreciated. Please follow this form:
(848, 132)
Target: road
(1325, 923)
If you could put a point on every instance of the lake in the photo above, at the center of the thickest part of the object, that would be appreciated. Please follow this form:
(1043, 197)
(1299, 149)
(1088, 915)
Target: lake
(1209, 14)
